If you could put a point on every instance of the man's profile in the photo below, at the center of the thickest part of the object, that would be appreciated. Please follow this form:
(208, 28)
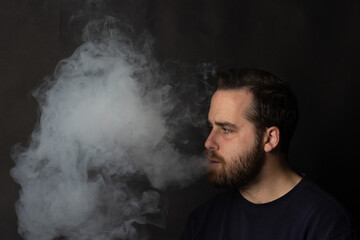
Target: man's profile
(252, 116)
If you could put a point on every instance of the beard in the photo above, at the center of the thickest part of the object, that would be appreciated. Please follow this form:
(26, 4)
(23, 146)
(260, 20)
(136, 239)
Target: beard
(238, 172)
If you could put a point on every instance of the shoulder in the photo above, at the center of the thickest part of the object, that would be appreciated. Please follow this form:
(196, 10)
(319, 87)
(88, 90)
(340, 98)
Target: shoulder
(318, 200)
(213, 209)
(205, 217)
(215, 204)
(323, 214)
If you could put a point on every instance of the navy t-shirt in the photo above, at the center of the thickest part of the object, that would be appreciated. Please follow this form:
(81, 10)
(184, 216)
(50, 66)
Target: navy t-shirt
(306, 212)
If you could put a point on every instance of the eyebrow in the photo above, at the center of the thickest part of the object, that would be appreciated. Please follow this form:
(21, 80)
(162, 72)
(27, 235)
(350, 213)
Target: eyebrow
(224, 124)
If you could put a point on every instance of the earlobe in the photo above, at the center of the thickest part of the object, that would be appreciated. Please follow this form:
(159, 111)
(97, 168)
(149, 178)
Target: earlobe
(272, 138)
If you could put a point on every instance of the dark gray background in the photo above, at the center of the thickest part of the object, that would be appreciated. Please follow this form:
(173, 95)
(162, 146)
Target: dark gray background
(312, 44)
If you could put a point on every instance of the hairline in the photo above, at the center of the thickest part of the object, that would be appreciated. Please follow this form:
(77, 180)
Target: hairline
(251, 109)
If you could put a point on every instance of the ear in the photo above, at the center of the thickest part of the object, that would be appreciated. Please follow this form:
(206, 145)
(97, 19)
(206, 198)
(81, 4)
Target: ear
(271, 138)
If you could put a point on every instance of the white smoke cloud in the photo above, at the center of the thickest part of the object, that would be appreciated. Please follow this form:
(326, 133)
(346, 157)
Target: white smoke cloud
(103, 127)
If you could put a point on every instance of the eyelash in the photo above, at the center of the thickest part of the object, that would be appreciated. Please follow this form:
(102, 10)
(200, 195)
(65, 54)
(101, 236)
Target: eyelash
(224, 130)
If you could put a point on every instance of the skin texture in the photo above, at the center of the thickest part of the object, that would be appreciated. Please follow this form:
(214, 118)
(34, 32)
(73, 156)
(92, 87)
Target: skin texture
(239, 159)
(252, 161)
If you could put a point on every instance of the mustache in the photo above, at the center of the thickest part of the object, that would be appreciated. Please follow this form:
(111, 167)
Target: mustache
(209, 153)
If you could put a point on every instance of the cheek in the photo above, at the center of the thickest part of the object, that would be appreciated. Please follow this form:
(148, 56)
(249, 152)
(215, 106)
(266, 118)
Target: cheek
(231, 149)
(248, 138)
(238, 146)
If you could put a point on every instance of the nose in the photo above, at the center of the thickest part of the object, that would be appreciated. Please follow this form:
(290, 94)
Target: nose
(211, 142)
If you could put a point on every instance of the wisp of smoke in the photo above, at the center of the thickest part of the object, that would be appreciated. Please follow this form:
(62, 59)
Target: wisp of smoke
(103, 125)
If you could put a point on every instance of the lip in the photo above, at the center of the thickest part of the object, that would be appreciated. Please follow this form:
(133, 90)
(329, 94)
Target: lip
(213, 162)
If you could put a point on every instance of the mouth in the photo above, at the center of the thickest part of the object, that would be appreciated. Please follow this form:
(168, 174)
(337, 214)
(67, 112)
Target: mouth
(213, 162)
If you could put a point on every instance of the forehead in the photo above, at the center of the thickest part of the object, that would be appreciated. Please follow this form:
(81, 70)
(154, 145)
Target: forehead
(229, 105)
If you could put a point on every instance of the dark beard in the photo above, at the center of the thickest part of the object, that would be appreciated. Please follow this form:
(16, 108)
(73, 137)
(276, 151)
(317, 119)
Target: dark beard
(239, 172)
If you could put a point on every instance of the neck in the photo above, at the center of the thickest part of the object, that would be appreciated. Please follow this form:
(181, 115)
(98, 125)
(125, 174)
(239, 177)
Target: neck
(275, 179)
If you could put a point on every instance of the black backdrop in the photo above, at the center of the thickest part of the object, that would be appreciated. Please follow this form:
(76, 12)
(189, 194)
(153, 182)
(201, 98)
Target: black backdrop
(312, 44)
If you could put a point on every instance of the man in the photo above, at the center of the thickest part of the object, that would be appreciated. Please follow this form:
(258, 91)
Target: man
(252, 116)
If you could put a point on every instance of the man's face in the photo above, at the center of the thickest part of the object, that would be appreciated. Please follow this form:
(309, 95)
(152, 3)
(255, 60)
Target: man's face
(233, 146)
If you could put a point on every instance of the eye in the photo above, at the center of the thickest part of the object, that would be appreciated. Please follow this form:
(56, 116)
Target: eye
(226, 131)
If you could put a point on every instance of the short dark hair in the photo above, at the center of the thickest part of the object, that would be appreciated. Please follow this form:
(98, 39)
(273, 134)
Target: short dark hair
(274, 103)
